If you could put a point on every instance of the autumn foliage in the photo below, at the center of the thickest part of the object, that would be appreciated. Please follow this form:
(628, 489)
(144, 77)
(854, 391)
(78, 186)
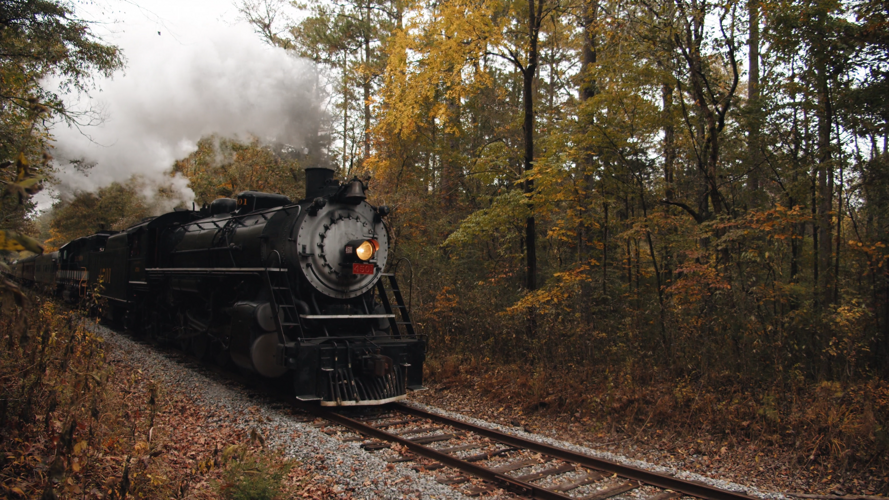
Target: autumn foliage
(77, 425)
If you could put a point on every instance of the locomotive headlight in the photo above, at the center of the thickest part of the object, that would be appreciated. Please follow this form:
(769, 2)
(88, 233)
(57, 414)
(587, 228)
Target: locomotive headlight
(366, 250)
(363, 250)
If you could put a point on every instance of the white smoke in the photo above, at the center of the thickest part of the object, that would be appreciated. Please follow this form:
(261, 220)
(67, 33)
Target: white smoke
(172, 93)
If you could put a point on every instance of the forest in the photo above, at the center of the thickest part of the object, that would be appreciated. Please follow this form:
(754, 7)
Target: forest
(655, 212)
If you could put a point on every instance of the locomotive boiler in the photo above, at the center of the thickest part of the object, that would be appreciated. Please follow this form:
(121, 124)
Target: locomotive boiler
(280, 289)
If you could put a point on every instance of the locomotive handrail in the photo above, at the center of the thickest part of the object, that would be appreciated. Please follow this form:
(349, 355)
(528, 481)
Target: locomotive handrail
(345, 316)
(209, 249)
(273, 301)
(410, 280)
(217, 269)
(238, 217)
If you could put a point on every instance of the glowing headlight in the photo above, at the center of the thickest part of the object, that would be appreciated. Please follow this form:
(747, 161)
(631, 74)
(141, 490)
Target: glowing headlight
(366, 249)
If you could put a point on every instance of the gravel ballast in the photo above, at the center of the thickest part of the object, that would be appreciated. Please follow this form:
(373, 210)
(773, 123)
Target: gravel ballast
(356, 472)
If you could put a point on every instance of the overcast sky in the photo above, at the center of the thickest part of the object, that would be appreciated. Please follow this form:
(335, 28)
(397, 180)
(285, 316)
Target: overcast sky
(193, 68)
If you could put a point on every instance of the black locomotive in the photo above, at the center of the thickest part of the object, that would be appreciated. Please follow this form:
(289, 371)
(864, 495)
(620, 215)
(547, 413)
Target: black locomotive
(277, 288)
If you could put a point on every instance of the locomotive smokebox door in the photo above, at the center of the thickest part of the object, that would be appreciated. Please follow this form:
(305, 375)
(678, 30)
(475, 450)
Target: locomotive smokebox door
(345, 248)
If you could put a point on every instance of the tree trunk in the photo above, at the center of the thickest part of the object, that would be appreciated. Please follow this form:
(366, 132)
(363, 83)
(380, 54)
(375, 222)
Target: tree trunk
(754, 181)
(528, 73)
(605, 251)
(346, 168)
(816, 280)
(367, 83)
(825, 180)
(448, 181)
(836, 259)
(590, 16)
(669, 138)
(586, 90)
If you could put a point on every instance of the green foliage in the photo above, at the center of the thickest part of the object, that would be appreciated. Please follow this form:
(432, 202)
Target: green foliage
(691, 238)
(349, 40)
(499, 225)
(11, 241)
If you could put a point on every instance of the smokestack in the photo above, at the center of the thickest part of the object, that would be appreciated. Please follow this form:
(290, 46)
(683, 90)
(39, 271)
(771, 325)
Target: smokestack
(317, 178)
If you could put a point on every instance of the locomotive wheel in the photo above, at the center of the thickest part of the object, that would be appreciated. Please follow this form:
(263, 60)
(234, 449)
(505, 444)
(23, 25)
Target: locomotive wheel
(200, 346)
(152, 329)
(219, 353)
(183, 339)
(183, 344)
(221, 357)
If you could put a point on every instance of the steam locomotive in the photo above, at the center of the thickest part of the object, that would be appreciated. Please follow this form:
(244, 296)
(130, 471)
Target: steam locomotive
(280, 289)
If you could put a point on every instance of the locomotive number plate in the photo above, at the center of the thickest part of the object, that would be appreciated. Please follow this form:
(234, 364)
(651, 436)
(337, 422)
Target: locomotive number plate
(362, 268)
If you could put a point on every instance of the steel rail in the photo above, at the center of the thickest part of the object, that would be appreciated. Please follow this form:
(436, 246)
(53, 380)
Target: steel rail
(691, 488)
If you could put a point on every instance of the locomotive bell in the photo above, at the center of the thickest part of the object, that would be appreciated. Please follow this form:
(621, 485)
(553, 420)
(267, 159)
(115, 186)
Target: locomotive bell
(354, 193)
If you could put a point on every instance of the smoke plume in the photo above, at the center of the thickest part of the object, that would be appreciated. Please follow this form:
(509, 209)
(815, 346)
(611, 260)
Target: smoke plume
(229, 83)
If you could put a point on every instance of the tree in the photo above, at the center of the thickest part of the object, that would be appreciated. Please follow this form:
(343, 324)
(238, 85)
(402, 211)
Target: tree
(39, 39)
(224, 167)
(349, 40)
(461, 49)
(111, 208)
(818, 33)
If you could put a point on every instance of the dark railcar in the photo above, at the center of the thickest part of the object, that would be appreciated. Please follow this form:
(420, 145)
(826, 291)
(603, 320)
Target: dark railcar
(28, 268)
(126, 257)
(45, 271)
(79, 265)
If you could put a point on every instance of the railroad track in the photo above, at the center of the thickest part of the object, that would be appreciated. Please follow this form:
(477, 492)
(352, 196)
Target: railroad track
(460, 451)
(477, 459)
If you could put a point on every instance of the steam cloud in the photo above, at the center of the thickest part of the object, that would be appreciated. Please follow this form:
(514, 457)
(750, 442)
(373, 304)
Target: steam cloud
(229, 83)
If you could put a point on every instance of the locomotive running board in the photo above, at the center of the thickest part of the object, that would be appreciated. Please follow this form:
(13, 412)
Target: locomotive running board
(345, 316)
(212, 270)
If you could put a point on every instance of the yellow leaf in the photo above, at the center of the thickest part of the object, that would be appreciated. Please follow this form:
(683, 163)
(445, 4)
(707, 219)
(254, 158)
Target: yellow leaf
(140, 447)
(31, 185)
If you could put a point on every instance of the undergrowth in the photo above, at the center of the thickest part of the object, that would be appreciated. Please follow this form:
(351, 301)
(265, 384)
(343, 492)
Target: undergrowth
(73, 424)
(251, 477)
